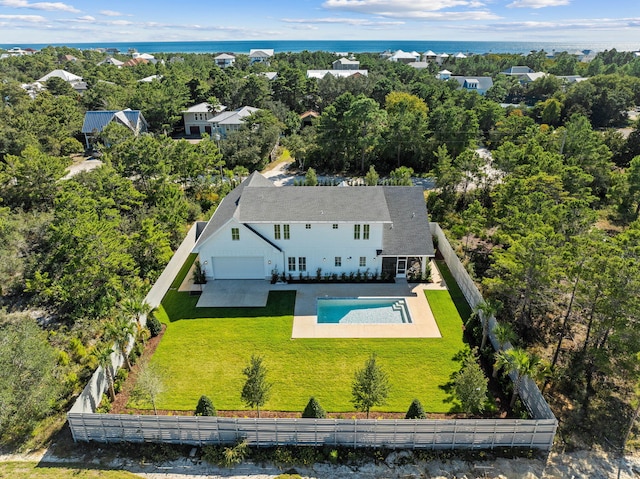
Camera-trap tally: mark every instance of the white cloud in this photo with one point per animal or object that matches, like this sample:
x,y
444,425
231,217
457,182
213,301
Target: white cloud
x,y
433,10
48,6
348,21
537,3
577,24
25,18
111,13
399,7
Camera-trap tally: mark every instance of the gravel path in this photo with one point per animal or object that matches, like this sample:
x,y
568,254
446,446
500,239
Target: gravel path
x,y
575,465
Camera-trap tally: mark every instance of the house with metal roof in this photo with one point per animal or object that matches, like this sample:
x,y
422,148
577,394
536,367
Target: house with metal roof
x,y
404,57
96,121
261,55
259,229
346,64
224,60
478,84
228,121
319,74
196,118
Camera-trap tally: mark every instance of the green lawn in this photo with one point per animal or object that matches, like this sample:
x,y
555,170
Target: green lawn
x,y
204,351
33,470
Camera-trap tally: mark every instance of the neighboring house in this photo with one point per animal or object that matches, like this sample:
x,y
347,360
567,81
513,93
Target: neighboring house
x,y
135,62
478,84
145,56
228,121
517,71
224,60
572,78
531,77
151,78
429,56
260,55
443,57
346,64
336,73
270,75
196,118
260,229
33,89
67,58
459,56
96,121
74,80
306,118
65,75
111,61
404,57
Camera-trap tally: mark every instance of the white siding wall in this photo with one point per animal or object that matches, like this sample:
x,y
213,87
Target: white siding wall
x,y
221,245
321,244
201,122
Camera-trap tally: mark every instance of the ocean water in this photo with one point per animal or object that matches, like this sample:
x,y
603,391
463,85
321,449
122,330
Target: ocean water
x,y
351,46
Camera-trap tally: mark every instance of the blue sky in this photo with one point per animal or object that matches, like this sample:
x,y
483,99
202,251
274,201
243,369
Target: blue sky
x,y
76,21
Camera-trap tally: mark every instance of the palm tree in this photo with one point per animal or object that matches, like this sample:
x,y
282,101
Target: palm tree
x,y
504,334
484,311
119,330
518,361
136,307
102,353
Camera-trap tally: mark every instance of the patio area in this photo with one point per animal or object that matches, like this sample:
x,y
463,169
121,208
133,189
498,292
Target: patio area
x,y
254,293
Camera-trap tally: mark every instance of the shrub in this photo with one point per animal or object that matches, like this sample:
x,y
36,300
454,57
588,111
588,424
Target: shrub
x,y
78,351
416,411
205,407
314,410
69,146
154,325
198,274
228,456
105,405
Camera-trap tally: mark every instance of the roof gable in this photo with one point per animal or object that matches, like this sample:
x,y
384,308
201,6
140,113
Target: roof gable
x,y
97,120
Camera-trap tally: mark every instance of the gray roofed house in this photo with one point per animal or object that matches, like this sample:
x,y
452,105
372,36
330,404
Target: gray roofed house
x,y
96,121
224,60
477,84
259,228
228,121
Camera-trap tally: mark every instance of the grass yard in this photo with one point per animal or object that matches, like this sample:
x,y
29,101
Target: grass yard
x,y
32,470
204,351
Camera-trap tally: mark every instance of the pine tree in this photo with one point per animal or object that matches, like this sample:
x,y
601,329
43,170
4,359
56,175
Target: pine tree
x,y
416,411
314,410
205,407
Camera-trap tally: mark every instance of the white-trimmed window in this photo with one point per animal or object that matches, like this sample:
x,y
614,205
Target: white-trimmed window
x,y
276,231
363,261
302,263
287,234
365,232
292,263
356,232
235,234
338,261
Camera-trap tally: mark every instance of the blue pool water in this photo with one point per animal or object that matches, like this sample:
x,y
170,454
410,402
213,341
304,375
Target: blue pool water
x,y
362,311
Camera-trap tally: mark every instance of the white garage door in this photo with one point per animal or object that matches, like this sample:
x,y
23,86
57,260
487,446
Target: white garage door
x,y
238,267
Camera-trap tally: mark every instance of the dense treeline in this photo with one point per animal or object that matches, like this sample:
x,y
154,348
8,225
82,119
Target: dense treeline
x,y
549,227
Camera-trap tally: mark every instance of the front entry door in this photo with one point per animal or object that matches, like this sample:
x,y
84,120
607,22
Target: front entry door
x,y
402,268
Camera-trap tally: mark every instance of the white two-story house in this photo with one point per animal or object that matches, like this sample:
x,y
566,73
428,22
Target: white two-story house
x,y
259,229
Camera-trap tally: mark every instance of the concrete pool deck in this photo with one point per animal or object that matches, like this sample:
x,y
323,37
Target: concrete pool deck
x,y
254,293
423,324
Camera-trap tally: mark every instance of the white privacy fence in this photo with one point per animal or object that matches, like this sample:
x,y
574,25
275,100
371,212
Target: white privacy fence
x,y
529,392
390,433
537,433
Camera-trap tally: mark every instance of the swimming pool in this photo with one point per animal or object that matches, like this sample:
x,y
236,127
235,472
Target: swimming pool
x,y
363,311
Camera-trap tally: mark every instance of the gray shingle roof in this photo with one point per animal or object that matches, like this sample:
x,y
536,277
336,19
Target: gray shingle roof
x,y
402,209
410,234
313,203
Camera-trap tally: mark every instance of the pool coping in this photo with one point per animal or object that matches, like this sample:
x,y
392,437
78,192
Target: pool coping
x,y
423,323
